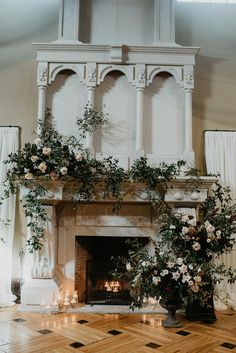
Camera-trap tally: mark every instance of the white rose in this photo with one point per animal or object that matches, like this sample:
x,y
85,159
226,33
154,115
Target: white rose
x,y
28,176
179,261
34,158
128,266
164,273
46,151
172,226
190,266
184,230
63,170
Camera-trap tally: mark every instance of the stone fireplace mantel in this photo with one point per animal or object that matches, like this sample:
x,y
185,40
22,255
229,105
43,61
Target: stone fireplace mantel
x,y
96,219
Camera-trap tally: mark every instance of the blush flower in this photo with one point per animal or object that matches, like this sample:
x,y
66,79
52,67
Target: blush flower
x,y
42,167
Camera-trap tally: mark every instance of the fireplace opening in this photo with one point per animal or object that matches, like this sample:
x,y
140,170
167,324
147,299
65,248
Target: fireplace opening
x,y
93,279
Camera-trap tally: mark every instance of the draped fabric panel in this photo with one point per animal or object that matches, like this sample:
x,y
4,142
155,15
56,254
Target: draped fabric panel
x,y
9,142
220,154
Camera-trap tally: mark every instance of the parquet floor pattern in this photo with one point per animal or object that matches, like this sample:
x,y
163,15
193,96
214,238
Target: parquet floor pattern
x,y
112,333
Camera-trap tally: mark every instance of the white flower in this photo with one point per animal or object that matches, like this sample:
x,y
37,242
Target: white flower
x,y
184,230
164,273
170,264
183,268
172,226
186,278
210,228
28,176
46,151
34,158
196,246
128,266
78,157
156,280
190,283
185,218
192,222
176,275
218,234
42,166
37,141
208,240
179,261
190,266
63,170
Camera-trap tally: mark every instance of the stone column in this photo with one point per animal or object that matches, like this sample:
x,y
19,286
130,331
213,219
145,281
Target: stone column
x,y
140,85
188,151
69,18
139,151
91,79
42,79
164,21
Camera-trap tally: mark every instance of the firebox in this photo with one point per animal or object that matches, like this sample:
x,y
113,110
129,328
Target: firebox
x,y
93,271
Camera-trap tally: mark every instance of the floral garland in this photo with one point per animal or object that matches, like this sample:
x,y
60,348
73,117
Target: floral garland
x,y
52,157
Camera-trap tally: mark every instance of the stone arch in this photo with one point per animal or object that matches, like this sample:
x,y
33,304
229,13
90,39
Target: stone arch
x,y
126,70
54,71
175,72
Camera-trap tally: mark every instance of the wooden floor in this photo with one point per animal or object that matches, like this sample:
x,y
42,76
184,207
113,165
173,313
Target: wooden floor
x,y
111,333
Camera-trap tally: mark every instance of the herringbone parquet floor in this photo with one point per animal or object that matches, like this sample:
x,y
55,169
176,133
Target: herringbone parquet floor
x,y
112,333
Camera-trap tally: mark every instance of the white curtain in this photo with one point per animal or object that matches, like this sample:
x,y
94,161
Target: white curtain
x,y
220,153
9,142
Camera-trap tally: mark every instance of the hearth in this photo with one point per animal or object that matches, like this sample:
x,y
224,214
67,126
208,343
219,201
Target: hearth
x,y
93,271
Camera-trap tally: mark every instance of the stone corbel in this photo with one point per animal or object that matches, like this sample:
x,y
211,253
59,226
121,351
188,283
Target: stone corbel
x,y
116,54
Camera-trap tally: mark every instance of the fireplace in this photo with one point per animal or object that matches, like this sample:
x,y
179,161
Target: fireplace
x,y
93,270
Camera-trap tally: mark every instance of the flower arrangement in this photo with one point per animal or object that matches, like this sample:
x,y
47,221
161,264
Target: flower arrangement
x,y
182,260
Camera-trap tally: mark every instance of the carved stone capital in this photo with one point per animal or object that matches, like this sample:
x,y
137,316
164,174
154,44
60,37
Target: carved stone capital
x,y
42,74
